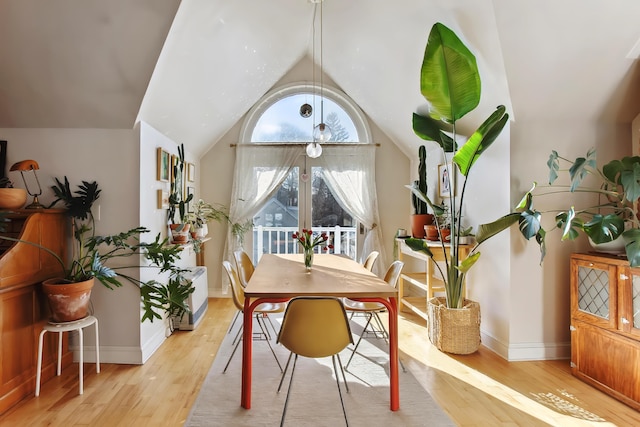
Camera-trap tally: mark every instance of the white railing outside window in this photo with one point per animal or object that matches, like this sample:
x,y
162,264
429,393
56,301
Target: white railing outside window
x,y
279,240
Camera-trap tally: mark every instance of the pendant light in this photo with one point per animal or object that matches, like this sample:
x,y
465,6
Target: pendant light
x,y
321,132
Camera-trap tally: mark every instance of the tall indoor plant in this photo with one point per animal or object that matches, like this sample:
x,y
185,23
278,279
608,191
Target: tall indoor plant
x,y
450,82
92,256
421,215
178,202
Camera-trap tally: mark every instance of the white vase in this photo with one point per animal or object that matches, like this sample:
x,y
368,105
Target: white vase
x,y
202,231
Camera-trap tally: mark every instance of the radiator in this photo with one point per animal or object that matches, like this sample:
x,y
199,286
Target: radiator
x,y
198,300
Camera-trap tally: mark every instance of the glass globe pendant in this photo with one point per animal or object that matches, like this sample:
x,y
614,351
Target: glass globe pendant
x,y
322,133
314,150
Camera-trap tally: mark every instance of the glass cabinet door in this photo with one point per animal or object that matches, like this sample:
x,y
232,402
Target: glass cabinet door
x,y
593,296
629,301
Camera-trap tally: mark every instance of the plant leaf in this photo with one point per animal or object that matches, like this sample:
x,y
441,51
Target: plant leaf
x,y
632,246
580,168
419,245
486,231
431,129
449,77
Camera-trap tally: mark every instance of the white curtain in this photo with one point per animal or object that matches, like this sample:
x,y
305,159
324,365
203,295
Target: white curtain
x,y
259,172
350,173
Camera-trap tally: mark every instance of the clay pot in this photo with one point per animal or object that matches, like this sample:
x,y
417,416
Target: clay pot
x,y
180,233
431,232
417,224
68,301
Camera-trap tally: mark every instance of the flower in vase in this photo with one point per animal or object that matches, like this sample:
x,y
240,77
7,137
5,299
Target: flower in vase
x,y
309,240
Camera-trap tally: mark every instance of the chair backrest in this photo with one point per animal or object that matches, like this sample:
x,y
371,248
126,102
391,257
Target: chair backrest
x,y
237,292
315,327
244,267
371,260
393,273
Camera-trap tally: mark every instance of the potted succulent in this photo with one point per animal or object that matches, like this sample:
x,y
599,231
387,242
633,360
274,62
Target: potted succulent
x,y
450,82
203,213
91,255
178,203
612,218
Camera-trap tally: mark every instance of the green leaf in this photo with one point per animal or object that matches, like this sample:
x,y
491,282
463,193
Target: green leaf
x,y
554,166
486,231
580,168
419,245
632,246
529,223
602,229
468,262
481,140
431,129
449,77
630,179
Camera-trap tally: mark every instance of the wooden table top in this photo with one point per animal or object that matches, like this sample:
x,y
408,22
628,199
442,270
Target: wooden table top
x,y
284,275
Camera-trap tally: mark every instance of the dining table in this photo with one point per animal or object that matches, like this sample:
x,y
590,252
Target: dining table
x,y
280,277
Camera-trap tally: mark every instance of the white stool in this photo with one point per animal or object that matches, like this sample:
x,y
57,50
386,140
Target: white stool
x,y
76,325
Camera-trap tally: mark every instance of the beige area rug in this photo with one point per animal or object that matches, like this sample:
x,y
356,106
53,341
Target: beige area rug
x,y
314,397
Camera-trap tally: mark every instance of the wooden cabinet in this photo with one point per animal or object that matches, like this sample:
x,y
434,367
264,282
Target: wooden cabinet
x,y
605,325
420,279
23,309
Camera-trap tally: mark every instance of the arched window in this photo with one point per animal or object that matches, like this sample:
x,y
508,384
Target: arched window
x,y
282,116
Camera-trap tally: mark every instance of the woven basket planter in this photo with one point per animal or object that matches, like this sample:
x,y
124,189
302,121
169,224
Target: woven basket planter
x,y
454,330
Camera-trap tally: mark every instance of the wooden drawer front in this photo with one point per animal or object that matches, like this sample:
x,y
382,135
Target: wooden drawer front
x,y
607,358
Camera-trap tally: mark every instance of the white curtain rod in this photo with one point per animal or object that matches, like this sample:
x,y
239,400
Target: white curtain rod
x,y
302,144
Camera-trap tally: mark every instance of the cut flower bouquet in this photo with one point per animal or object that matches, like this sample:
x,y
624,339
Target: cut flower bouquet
x,y
309,240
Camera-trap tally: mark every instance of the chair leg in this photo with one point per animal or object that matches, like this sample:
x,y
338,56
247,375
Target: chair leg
x,y
263,327
233,322
271,323
235,347
344,411
286,367
359,339
286,401
344,377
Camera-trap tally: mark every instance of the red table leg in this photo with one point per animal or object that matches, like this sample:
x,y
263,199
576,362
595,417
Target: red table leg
x,y
247,342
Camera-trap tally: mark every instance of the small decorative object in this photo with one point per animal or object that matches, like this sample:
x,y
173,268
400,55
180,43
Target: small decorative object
x,y
446,181
306,110
29,165
191,172
309,240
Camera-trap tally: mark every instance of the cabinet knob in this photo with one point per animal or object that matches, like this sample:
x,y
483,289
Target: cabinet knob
x,y
624,321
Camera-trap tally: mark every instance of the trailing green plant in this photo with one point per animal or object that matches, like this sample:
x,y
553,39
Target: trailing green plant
x,y
92,255
204,212
617,189
450,82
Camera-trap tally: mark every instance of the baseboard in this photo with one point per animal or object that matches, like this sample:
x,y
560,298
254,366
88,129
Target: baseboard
x,y
117,355
527,351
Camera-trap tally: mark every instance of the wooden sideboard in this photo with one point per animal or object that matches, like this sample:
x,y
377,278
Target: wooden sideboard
x,y
605,325
23,309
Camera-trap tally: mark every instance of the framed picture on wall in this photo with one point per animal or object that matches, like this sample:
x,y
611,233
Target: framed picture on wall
x,y
446,181
191,172
163,199
163,165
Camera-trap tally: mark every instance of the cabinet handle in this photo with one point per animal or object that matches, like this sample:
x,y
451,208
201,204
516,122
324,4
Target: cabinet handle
x,y
572,328
623,276
624,321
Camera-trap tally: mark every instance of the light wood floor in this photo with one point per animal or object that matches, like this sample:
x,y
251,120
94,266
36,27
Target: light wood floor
x,y
475,390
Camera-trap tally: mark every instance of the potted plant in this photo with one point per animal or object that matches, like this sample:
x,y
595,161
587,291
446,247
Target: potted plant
x,y
421,216
611,222
91,255
450,82
203,213
178,203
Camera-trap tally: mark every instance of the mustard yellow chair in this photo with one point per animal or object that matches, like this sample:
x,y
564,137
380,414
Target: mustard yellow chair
x,y
237,292
370,260
371,309
245,267
315,327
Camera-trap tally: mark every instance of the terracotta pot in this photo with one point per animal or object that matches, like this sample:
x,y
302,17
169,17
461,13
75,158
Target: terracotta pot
x,y
180,233
431,232
68,301
444,234
417,224
12,198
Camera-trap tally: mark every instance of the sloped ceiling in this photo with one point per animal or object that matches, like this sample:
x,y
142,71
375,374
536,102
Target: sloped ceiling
x,y
191,69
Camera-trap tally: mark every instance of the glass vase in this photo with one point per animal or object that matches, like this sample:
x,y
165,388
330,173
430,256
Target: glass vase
x,y
308,259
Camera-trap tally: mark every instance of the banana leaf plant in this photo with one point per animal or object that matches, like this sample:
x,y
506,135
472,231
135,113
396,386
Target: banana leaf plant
x,y
614,213
450,82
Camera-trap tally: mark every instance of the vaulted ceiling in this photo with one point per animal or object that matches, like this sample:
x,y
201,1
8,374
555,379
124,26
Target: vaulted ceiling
x,y
192,68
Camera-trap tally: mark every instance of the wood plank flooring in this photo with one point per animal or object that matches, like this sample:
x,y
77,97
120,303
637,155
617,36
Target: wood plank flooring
x,y
475,390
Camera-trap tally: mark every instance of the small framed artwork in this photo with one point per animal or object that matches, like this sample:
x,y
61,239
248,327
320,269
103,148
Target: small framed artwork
x,y
191,172
163,165
446,181
190,191
163,199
